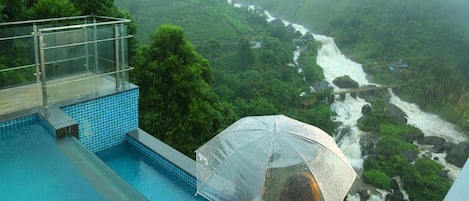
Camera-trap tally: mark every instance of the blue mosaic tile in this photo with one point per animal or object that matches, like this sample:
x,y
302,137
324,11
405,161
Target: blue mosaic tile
x,y
187,178
8,128
15,124
104,122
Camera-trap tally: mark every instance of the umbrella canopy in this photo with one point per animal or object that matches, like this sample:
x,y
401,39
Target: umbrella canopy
x,y
256,157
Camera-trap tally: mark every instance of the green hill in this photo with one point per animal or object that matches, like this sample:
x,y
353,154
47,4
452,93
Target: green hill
x,y
201,20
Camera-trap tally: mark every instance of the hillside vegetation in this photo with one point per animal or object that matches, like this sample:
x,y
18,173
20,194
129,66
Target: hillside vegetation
x,y
248,80
431,36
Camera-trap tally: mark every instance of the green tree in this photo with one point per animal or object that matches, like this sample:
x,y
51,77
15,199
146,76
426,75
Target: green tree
x,y
95,7
14,10
177,103
245,53
53,8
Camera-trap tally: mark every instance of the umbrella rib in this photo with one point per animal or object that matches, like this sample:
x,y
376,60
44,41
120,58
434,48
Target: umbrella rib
x,y
332,149
325,149
267,162
304,159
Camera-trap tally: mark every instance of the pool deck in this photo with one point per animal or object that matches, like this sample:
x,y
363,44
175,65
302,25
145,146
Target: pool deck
x,y
29,96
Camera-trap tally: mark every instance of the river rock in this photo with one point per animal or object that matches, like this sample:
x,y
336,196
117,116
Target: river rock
x,y
368,144
427,155
374,95
449,145
396,113
458,154
366,109
437,142
393,197
345,82
343,132
394,185
322,86
364,196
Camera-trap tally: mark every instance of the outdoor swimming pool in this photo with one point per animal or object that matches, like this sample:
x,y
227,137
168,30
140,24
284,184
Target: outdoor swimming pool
x,y
34,165
33,168
150,178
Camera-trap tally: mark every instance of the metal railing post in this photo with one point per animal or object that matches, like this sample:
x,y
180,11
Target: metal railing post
x,y
87,60
36,54
95,46
116,52
45,103
124,59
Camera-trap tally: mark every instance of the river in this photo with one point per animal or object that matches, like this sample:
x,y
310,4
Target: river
x,y
335,64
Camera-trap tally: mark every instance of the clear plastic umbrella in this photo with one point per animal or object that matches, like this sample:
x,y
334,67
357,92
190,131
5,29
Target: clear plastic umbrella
x,y
255,158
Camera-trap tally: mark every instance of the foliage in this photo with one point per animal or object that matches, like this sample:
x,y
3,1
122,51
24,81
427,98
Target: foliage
x,y
377,178
96,7
53,8
177,103
312,71
423,181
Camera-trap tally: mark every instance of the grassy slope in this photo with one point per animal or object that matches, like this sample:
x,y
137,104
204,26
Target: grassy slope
x,y
201,19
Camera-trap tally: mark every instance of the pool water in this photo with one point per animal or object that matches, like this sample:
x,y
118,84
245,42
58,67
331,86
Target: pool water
x,y
151,179
32,167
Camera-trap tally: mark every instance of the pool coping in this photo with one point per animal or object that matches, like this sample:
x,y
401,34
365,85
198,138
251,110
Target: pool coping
x,y
167,152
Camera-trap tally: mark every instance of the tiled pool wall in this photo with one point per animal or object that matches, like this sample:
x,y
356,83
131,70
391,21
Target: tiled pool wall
x,y
187,178
104,122
6,127
15,124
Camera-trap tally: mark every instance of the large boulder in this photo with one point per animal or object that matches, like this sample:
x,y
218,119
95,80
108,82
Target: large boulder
x,y
368,144
366,109
345,82
374,95
394,185
458,154
322,86
394,197
364,195
437,142
396,113
449,145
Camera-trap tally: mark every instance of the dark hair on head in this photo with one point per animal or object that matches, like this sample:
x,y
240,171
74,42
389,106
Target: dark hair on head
x,y
300,187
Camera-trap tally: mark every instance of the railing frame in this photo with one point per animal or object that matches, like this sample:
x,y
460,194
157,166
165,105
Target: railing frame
x,y
40,47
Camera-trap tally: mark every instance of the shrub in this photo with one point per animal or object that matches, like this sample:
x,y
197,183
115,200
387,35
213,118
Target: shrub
x,y
377,178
